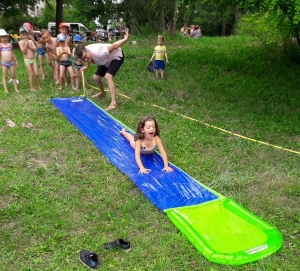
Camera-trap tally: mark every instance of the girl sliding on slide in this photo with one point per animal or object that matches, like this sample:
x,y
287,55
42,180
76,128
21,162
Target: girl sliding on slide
x,y
145,141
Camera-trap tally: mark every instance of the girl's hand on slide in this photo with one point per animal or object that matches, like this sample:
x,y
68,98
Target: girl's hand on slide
x,y
144,170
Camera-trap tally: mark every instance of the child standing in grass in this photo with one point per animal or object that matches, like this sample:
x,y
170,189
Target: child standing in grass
x,y
28,49
78,63
63,53
160,53
8,60
51,44
145,141
41,52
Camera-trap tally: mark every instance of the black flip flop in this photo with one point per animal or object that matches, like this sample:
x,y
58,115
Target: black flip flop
x,y
116,244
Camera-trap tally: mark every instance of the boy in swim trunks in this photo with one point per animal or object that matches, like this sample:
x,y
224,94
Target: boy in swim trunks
x,y
51,44
63,53
28,49
8,59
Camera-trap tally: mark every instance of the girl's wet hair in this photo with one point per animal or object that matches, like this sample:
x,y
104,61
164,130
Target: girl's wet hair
x,y
141,125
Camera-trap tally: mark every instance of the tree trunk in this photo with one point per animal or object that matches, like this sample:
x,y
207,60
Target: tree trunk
x,y
176,5
162,21
59,14
223,28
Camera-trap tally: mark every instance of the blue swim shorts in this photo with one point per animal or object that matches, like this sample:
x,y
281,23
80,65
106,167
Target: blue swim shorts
x,y
159,65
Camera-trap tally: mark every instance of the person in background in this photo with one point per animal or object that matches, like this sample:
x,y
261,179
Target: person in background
x,y
94,34
192,29
8,60
145,141
184,31
118,29
160,53
169,26
197,32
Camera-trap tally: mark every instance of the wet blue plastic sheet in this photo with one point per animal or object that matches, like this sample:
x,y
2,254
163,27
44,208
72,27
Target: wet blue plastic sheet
x,y
164,190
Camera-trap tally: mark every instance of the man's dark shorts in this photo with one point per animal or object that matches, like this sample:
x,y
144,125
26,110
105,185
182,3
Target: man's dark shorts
x,y
112,69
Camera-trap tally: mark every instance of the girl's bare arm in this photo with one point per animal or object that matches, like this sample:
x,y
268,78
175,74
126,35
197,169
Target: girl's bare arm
x,y
137,154
163,154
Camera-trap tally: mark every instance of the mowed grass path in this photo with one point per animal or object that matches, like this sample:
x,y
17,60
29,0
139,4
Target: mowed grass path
x,y
59,195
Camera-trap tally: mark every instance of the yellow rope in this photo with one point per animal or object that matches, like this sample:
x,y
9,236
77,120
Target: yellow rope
x,y
83,85
208,125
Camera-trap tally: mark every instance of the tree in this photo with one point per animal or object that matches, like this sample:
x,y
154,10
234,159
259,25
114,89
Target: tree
x,y
9,8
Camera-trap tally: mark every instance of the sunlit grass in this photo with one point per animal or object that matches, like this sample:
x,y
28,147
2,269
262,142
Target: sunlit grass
x,y
58,194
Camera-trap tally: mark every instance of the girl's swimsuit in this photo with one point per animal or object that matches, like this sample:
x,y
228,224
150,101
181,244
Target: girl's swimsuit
x,y
8,48
146,150
8,64
77,66
3,49
40,51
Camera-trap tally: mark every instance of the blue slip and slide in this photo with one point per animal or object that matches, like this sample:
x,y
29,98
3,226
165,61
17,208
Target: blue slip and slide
x,y
222,230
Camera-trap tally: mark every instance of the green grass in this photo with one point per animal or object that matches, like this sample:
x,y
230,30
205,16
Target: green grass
x,y
59,195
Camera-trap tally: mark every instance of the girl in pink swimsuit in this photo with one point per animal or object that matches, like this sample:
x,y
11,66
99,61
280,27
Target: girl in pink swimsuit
x,y
8,59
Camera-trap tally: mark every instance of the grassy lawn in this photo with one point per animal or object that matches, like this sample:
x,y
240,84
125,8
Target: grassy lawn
x,y
59,195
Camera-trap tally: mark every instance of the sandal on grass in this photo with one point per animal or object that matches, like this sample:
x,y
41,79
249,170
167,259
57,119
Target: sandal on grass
x,y
111,107
116,244
99,95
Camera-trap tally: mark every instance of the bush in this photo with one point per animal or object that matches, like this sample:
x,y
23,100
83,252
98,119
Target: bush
x,y
276,39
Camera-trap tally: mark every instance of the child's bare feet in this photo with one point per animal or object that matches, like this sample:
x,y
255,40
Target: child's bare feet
x,y
59,88
5,90
16,90
32,90
74,88
57,83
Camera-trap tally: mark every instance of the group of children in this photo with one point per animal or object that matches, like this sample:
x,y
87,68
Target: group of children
x,y
192,32
58,52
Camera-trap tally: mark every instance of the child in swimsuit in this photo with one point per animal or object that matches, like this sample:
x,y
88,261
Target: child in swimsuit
x,y
51,44
28,49
63,52
8,59
78,63
41,51
145,141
